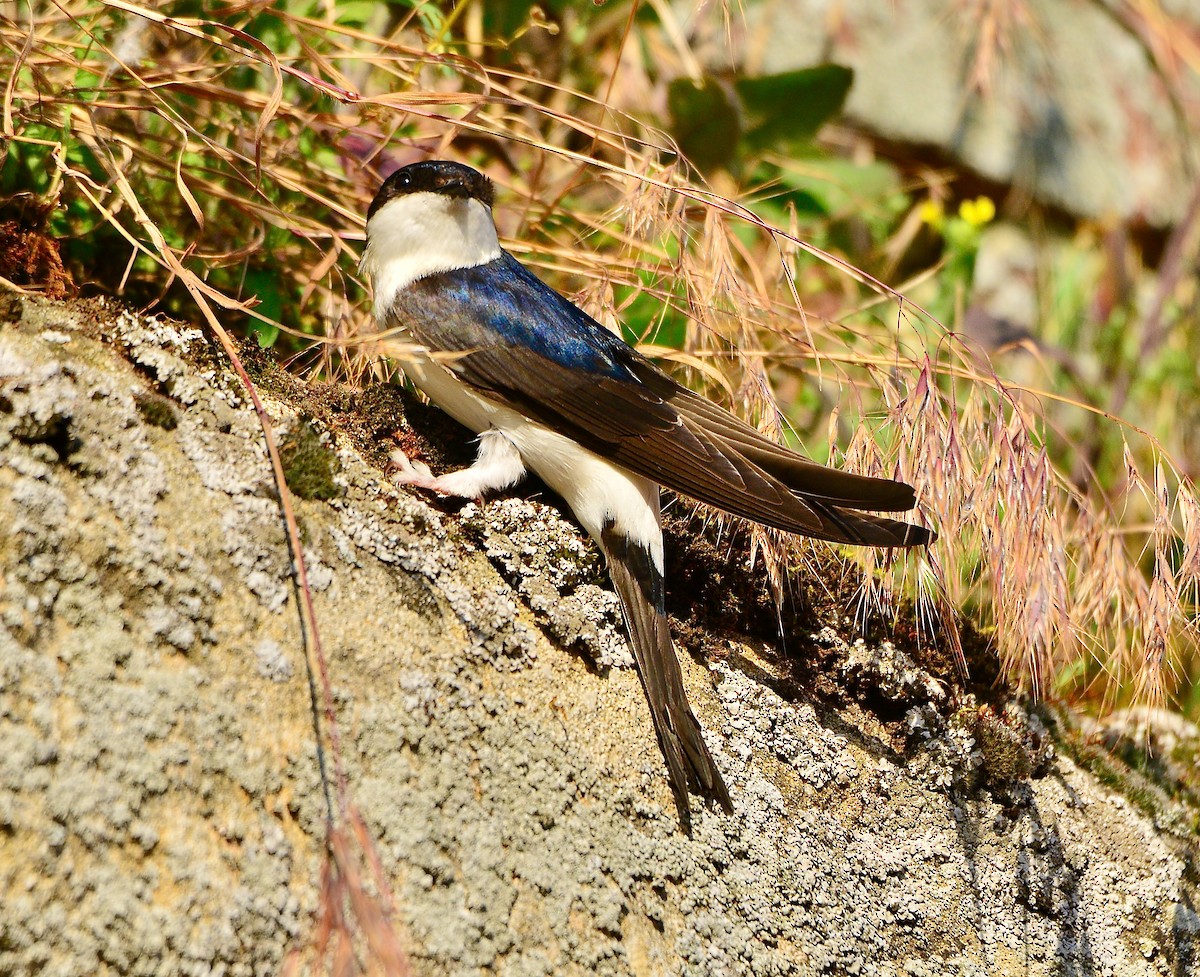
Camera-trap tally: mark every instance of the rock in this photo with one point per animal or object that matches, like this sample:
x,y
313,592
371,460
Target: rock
x,y
1077,113
163,811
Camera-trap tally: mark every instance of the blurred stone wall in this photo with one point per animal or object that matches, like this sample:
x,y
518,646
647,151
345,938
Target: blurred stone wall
x,y
1076,103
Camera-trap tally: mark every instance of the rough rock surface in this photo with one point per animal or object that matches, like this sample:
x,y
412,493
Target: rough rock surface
x,y
162,813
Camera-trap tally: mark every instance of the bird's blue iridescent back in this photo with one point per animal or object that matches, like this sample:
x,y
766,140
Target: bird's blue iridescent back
x,y
504,299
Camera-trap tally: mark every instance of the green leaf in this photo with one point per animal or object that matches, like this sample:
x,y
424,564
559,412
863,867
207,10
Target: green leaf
x,y
355,12
265,285
791,106
841,187
704,121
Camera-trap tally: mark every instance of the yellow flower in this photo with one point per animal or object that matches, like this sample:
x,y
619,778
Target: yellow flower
x,y
977,212
932,212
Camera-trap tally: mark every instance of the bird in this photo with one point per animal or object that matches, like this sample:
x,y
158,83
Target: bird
x,y
547,388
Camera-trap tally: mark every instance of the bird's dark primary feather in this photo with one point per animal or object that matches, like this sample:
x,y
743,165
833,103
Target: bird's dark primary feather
x,y
525,345
640,587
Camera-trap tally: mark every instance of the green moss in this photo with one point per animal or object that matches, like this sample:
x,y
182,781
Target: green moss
x,y
157,410
309,465
1006,756
1147,785
1109,771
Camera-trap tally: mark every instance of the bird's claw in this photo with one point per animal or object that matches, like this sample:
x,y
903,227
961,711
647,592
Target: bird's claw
x,y
409,472
405,466
417,475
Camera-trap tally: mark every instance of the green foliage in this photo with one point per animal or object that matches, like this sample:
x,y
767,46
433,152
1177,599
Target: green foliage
x,y
264,285
27,167
705,122
789,108
717,123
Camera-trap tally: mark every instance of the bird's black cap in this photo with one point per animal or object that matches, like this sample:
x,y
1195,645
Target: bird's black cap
x,y
434,176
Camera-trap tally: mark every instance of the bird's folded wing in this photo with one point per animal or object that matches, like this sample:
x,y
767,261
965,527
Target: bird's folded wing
x,y
523,344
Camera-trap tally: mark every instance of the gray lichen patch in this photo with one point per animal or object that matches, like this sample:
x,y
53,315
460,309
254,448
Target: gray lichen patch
x,y
162,810
556,573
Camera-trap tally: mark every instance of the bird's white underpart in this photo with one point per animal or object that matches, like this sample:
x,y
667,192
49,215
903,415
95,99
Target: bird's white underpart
x,y
420,234
597,491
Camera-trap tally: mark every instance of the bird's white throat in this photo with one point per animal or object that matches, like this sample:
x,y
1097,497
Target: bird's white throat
x,y
420,234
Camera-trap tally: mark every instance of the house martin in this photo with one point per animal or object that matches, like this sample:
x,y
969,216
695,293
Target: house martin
x,y
548,388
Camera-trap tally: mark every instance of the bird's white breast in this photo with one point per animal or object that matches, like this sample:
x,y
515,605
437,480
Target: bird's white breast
x,y
420,234
598,492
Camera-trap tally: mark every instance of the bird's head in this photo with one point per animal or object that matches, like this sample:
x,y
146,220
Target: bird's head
x,y
427,217
433,176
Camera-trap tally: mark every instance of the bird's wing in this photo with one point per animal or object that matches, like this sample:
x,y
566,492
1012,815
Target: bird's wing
x,y
523,344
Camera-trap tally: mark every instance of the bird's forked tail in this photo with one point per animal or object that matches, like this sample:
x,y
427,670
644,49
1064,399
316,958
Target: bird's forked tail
x,y
640,587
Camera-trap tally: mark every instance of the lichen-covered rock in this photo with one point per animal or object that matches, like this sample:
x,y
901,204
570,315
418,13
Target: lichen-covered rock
x,y
162,810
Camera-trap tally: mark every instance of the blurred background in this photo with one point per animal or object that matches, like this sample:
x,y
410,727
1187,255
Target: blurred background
x,y
953,242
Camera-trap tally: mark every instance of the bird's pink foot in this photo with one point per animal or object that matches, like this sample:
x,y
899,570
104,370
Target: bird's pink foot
x,y
418,475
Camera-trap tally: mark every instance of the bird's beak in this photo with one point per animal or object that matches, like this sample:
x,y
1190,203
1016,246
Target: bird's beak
x,y
455,188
